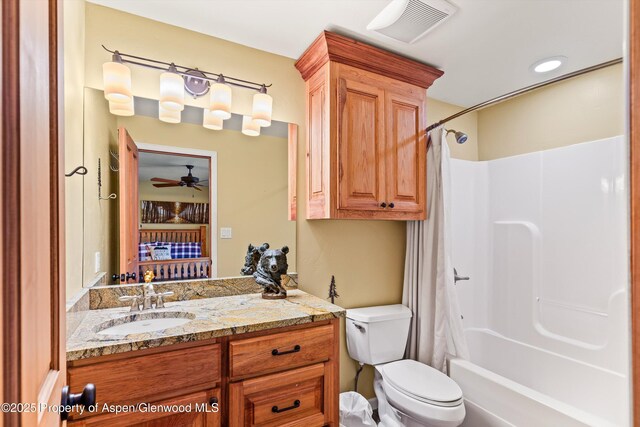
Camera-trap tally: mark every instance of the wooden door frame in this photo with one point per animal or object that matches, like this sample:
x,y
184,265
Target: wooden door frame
x,y
10,190
634,180
213,189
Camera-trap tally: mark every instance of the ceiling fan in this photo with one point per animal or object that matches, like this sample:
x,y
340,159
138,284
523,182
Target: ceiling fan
x,y
189,181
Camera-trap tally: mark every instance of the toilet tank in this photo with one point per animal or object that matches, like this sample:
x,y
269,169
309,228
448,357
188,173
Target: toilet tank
x,y
378,334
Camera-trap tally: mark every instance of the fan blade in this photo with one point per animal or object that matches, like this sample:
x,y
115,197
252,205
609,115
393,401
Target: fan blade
x,y
177,184
196,188
165,180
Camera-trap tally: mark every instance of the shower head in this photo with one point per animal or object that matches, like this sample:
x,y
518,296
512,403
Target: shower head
x,y
461,137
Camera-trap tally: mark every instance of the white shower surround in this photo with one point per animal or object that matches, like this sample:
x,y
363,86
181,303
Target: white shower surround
x,y
544,237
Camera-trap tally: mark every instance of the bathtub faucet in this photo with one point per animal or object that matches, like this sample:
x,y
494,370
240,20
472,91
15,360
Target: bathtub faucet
x,y
457,278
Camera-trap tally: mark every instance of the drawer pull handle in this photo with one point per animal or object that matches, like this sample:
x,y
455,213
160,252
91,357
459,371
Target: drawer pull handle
x,y
277,410
276,352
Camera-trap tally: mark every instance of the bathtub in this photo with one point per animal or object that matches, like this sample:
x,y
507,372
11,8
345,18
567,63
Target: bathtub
x,y
509,383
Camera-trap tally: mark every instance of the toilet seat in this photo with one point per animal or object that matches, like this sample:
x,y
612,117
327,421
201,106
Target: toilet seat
x,y
422,383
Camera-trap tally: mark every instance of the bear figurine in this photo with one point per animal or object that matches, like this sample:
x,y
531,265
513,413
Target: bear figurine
x,y
251,259
271,266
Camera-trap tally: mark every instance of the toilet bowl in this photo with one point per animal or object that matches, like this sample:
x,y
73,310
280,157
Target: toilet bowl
x,y
417,395
409,393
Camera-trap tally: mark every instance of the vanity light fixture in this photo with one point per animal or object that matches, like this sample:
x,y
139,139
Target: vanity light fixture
x,y
116,79
169,116
220,99
211,121
172,90
174,80
548,64
121,108
262,107
249,126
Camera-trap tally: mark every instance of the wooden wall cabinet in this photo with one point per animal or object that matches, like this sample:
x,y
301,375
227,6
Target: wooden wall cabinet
x,y
366,142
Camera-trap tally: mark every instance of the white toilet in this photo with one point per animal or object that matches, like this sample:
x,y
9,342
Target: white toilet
x,y
409,393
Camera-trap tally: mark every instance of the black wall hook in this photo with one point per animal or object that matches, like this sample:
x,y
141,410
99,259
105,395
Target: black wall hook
x,y
80,170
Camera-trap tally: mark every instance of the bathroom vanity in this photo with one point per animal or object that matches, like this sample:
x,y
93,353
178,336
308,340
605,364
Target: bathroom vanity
x,y
239,361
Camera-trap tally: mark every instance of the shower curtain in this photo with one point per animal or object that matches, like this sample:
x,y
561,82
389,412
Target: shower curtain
x,y
436,326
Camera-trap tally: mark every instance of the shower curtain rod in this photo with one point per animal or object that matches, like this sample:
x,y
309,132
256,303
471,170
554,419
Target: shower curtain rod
x,y
524,90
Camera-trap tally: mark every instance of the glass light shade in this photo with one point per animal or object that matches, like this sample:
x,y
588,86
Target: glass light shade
x,y
262,105
250,127
220,100
171,91
121,108
211,122
117,82
169,116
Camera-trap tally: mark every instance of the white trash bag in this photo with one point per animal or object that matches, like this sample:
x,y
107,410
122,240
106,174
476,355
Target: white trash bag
x,y
355,410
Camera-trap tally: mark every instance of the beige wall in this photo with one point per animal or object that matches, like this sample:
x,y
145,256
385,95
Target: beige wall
x,y
366,257
73,38
438,110
100,216
252,184
585,108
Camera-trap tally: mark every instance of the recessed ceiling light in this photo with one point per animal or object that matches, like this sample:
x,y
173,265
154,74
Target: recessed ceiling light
x,y
548,64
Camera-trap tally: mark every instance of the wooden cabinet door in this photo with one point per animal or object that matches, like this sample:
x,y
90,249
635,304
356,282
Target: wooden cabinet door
x,y
360,144
406,150
128,202
292,398
194,410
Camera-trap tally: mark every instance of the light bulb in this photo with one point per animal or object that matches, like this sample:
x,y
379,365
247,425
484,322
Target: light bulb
x,y
121,108
220,99
262,105
117,81
210,121
168,116
249,127
171,90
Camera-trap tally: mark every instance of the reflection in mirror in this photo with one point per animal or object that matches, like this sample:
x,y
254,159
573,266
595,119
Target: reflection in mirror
x,y
186,201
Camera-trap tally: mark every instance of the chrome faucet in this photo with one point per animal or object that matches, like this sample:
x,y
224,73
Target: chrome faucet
x,y
149,298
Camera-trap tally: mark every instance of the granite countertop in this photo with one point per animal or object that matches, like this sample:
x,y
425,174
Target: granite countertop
x,y
211,317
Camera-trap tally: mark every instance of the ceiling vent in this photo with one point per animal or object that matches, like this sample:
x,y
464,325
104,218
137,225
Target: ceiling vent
x,y
409,20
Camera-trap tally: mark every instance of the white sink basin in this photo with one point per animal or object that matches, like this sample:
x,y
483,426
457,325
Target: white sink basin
x,y
144,322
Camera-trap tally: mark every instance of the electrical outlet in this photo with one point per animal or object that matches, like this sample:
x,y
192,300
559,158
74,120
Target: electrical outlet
x,y
225,232
97,262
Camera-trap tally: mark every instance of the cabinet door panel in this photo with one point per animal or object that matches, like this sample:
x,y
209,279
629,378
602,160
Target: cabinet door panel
x,y
360,144
202,415
406,152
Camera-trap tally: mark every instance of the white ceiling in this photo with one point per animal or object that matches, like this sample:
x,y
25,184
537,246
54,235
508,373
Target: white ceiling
x,y
485,49
152,165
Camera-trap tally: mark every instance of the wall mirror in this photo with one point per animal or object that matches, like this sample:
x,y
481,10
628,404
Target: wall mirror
x,y
177,198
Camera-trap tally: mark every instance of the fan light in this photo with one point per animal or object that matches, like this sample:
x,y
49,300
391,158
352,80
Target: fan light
x,y
262,106
117,80
121,108
171,90
220,99
249,127
210,121
169,116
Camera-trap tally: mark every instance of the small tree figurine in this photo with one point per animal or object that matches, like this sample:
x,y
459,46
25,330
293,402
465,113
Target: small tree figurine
x,y
333,294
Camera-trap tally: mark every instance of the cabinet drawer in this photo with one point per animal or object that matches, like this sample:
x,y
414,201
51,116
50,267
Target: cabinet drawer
x,y
286,350
291,398
151,377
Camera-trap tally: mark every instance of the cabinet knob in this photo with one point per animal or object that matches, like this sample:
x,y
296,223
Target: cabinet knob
x,y
391,205
383,205
86,398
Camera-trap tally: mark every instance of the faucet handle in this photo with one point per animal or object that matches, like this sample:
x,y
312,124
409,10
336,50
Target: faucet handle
x,y
135,301
160,298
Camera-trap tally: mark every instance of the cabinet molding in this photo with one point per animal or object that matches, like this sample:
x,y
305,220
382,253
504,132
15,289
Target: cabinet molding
x,y
336,48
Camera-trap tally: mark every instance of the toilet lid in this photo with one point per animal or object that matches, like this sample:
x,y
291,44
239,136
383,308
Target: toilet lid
x,y
422,382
